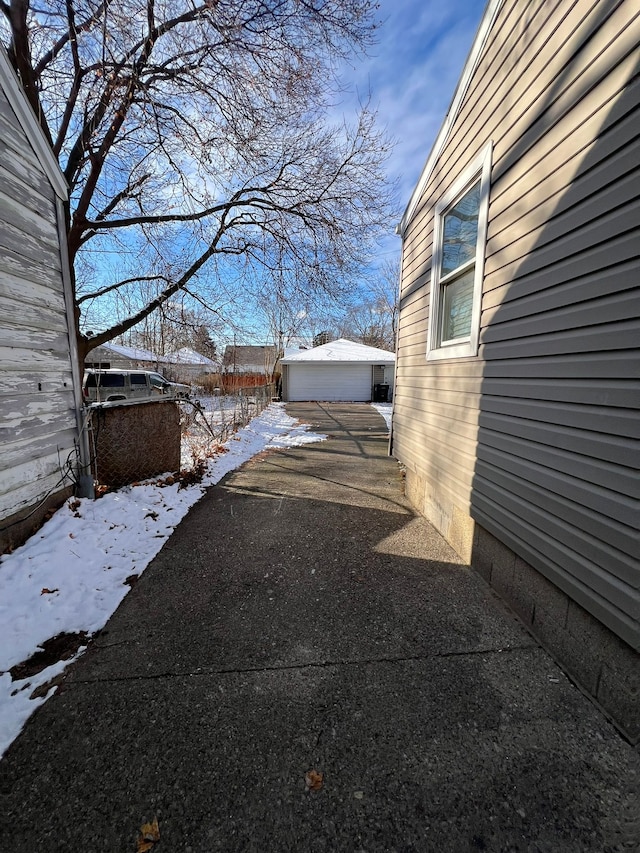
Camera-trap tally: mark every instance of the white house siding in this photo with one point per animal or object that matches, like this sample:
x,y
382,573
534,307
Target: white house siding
x,y
330,382
37,409
537,438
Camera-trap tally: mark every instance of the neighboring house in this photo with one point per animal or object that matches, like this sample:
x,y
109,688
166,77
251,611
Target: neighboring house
x,y
120,357
40,387
517,392
340,370
256,362
187,365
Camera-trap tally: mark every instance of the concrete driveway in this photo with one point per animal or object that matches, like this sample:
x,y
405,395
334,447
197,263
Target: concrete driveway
x,y
307,666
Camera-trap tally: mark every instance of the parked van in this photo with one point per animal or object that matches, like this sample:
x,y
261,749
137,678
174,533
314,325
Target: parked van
x,y
103,386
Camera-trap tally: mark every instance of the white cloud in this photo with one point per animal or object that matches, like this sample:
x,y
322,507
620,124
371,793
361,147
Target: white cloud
x,y
412,75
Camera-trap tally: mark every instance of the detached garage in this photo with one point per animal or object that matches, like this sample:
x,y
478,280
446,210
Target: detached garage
x,y
339,371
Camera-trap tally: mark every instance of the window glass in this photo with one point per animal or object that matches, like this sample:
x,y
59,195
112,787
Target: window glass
x,y
111,380
138,379
460,233
157,381
457,307
461,219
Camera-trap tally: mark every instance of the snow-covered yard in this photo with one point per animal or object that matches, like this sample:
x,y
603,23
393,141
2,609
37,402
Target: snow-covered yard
x,y
74,572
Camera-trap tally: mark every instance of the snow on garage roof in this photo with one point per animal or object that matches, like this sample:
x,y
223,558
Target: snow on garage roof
x,y
134,353
186,355
342,350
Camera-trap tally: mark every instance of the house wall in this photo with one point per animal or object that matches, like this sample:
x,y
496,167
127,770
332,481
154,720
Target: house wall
x,y
104,355
38,428
175,371
188,373
533,444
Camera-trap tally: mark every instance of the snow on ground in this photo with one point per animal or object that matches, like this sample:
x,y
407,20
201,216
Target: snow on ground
x,y
70,575
385,411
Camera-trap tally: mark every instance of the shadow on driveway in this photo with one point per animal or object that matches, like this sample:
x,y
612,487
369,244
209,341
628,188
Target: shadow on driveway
x,y
303,617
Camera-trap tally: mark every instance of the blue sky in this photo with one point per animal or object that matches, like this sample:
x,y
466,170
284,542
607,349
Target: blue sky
x,y
412,75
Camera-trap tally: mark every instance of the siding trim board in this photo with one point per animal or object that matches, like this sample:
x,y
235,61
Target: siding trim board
x,y
537,448
31,128
84,486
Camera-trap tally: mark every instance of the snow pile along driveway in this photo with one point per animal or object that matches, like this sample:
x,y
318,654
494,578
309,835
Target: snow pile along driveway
x,y
74,572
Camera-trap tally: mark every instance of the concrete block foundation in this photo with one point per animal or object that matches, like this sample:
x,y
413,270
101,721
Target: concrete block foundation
x,y
602,664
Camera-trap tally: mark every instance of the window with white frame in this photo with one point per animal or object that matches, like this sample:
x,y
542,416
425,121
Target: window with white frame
x,y
457,268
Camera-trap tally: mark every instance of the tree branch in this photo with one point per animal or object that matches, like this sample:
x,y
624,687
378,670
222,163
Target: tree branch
x,y
111,287
70,35
20,56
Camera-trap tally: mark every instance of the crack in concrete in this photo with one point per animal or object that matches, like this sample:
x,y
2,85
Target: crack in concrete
x,y
205,671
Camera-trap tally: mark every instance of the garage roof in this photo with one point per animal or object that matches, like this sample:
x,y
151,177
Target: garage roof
x,y
344,351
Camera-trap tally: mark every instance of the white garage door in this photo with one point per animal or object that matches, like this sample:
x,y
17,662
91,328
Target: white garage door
x,y
348,382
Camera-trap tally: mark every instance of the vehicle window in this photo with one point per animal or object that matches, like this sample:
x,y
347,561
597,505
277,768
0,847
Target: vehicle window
x,y
138,379
157,381
91,381
111,380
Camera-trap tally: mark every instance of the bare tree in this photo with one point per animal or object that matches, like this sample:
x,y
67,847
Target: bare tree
x,y
172,327
373,319
195,136
385,290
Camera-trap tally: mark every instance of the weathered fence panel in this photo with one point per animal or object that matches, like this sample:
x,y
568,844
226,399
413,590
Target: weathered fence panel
x,y
134,441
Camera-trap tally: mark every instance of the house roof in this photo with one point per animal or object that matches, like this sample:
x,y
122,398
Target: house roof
x,y
294,350
186,355
342,350
134,353
25,115
490,14
253,356
182,356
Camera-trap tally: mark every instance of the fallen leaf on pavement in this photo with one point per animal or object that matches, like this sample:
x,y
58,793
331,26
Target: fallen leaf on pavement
x,y
149,834
46,591
313,780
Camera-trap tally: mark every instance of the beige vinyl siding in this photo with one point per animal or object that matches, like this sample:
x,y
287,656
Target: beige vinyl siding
x,y
37,409
540,438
